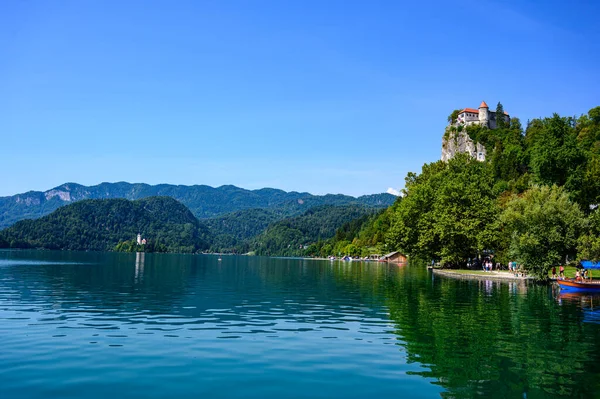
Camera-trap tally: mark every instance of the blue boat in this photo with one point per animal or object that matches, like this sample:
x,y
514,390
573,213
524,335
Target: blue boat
x,y
572,284
582,285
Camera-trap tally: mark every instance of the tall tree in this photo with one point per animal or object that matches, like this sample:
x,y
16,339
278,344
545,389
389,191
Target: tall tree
x,y
555,157
543,225
500,122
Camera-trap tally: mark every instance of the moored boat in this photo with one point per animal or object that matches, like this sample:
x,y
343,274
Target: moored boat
x,y
572,284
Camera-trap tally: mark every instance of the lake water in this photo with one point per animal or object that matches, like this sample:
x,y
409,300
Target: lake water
x,y
95,325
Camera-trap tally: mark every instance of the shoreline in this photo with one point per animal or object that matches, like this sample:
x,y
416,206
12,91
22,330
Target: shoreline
x,y
479,275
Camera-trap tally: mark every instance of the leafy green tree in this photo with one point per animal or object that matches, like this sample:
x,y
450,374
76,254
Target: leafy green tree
x,y
543,226
588,244
588,247
555,157
594,115
515,125
351,250
453,116
326,250
587,130
448,212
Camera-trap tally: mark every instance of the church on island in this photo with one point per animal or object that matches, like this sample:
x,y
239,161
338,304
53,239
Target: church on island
x,y
456,140
140,240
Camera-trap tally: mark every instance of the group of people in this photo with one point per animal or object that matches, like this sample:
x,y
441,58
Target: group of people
x,y
487,265
561,271
514,268
580,275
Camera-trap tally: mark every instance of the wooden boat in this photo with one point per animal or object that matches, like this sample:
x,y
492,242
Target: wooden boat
x,y
572,284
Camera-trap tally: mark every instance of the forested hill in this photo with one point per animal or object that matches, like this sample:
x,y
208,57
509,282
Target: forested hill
x,y
100,225
233,232
203,201
292,236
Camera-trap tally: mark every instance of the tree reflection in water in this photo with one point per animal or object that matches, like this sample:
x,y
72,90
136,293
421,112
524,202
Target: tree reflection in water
x,y
490,338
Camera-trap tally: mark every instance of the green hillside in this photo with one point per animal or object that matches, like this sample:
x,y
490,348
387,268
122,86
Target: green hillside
x,y
100,225
232,232
293,236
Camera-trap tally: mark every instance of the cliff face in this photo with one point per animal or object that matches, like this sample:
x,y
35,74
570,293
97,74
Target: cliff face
x,y
455,142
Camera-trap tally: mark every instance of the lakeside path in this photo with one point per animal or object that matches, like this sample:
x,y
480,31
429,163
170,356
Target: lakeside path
x,y
479,275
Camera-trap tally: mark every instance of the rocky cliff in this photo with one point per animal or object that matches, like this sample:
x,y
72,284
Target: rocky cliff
x,y
456,141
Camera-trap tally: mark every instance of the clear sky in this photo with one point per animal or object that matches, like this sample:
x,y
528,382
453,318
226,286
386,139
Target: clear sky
x,y
321,96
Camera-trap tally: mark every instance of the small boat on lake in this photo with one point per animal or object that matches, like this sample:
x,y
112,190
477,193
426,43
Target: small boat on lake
x,y
572,284
579,284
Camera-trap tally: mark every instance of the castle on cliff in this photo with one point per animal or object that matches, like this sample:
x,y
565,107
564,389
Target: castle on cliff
x,y
456,139
482,116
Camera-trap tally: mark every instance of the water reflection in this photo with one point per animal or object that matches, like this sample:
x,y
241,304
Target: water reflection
x,y
269,326
140,258
374,324
588,303
496,339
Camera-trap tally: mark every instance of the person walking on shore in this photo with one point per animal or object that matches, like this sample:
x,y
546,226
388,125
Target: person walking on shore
x,y
554,272
562,271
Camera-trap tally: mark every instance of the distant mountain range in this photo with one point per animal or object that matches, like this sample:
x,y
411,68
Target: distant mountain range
x,y
204,202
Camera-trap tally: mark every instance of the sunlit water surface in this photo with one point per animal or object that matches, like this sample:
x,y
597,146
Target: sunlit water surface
x,y
95,325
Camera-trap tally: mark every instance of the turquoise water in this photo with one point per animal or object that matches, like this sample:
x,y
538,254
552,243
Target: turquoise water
x,y
91,325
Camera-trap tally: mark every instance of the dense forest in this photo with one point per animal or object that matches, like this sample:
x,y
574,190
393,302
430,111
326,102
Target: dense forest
x,y
232,232
534,199
294,236
105,225
359,237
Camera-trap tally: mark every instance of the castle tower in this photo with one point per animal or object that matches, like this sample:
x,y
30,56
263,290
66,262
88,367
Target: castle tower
x,y
484,114
139,239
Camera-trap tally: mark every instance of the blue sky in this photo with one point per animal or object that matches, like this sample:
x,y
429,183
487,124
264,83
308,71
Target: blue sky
x,y
320,96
